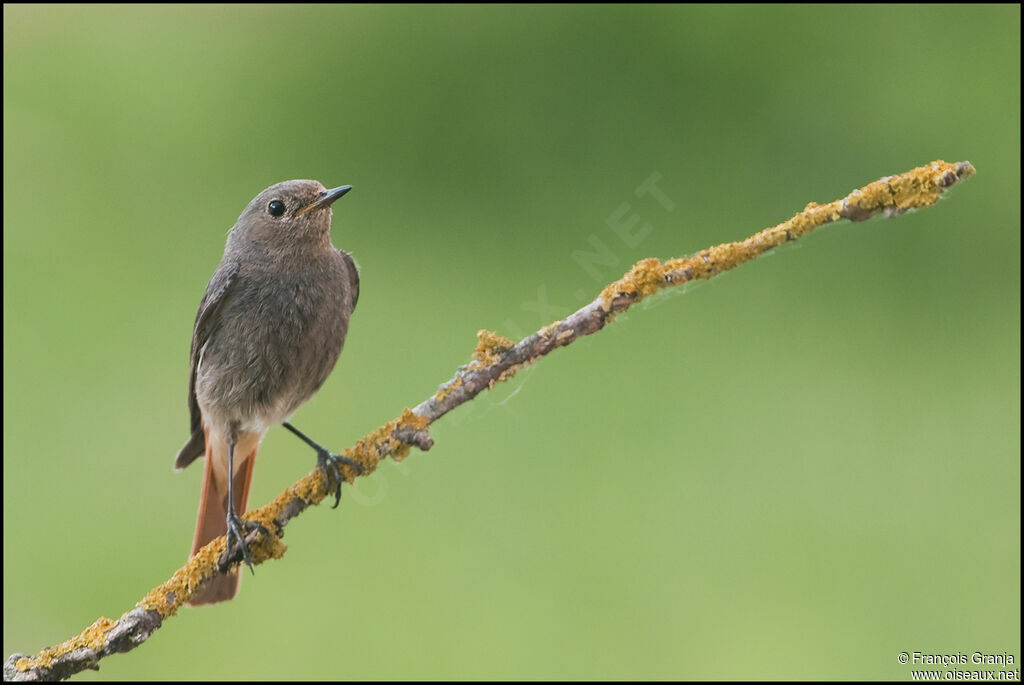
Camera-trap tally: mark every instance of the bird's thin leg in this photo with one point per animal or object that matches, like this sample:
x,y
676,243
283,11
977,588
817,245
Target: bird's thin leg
x,y
237,526
328,462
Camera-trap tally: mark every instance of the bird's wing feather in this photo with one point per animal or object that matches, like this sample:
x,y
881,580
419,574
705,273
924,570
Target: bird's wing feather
x,y
353,276
217,292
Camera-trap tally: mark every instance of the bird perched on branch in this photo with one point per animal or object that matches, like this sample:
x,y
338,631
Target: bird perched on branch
x,y
270,328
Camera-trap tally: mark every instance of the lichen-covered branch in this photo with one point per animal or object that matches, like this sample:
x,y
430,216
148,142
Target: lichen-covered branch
x,y
495,359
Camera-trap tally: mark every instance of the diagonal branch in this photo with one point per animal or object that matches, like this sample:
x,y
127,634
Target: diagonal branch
x,y
495,359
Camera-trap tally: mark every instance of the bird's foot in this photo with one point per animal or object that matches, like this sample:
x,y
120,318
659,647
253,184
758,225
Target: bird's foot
x,y
332,471
238,528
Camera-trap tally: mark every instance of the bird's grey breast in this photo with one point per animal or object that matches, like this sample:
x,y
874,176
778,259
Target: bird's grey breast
x,y
279,334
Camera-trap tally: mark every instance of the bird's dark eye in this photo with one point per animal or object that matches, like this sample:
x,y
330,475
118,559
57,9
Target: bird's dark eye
x,y
276,208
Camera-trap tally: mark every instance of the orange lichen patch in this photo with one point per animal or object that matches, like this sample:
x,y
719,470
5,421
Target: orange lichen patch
x,y
445,390
269,546
549,329
645,278
490,346
94,637
714,260
368,450
366,453
401,452
307,489
167,598
410,419
509,372
916,188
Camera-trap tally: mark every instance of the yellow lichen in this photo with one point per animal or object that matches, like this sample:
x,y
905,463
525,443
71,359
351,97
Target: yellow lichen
x,y
549,329
368,450
645,278
490,346
94,637
916,188
509,372
168,597
410,419
311,489
445,390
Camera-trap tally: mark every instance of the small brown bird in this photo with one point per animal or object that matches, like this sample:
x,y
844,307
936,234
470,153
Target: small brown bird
x,y
270,328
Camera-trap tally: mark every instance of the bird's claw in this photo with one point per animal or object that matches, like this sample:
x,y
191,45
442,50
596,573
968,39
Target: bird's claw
x,y
237,530
332,472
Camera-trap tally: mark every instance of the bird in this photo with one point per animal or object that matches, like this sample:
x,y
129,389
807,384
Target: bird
x,y
269,330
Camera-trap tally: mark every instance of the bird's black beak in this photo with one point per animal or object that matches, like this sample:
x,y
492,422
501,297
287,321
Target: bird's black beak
x,y
325,199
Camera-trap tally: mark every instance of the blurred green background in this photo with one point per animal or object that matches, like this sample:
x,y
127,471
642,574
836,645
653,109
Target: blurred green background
x,y
797,470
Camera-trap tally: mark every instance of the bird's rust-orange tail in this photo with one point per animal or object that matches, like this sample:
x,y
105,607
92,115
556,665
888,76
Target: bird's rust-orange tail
x,y
213,510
